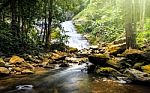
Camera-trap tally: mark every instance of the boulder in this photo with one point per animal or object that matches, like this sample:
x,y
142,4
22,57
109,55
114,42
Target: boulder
x,y
138,65
33,59
108,71
115,49
99,59
72,50
146,55
91,68
17,69
58,56
64,65
2,63
133,54
16,60
94,47
6,59
84,53
47,64
138,76
4,70
76,60
26,65
27,71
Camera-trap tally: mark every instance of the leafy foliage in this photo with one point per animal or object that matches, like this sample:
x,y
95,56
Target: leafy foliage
x,y
101,20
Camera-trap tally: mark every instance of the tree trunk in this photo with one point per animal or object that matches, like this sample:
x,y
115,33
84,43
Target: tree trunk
x,y
14,17
48,35
130,24
45,24
1,16
42,29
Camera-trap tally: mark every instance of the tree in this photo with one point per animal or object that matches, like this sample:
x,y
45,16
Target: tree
x,y
130,23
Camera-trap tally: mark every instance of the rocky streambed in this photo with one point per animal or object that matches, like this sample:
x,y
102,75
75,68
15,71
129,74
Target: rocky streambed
x,y
93,70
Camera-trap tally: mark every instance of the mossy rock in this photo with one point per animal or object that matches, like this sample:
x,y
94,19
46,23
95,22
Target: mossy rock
x,y
4,70
146,68
105,69
72,50
99,59
16,59
138,65
108,71
2,63
115,49
115,63
134,54
102,56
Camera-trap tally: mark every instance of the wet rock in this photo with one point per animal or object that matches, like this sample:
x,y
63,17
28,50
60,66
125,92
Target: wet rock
x,y
133,54
33,59
99,59
64,65
138,76
18,69
58,57
123,80
126,63
108,71
84,53
72,50
76,60
138,65
91,68
16,60
115,49
146,55
4,70
26,65
2,63
94,47
18,73
7,65
115,62
6,59
27,71
24,87
47,64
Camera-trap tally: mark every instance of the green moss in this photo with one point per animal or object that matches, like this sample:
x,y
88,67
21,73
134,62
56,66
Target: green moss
x,y
105,70
138,65
71,49
143,38
101,56
146,68
1,60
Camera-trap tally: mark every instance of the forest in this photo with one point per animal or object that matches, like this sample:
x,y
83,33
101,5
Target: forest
x,y
74,46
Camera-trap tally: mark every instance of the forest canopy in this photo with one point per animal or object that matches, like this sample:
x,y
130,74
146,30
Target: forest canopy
x,y
108,20
98,20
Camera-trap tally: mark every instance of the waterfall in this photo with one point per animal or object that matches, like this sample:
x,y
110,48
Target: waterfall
x,y
75,40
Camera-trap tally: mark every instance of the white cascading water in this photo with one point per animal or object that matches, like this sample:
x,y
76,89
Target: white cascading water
x,y
75,40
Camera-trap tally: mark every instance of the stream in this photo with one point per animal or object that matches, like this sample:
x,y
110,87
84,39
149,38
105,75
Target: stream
x,y
68,80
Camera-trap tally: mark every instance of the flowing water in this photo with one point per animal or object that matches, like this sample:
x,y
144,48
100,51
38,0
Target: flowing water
x,y
67,80
75,40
